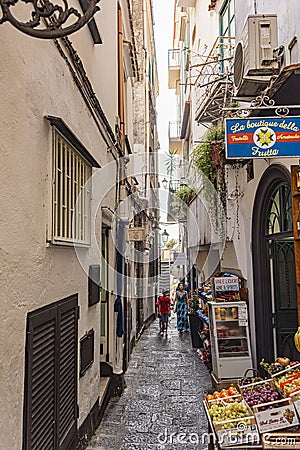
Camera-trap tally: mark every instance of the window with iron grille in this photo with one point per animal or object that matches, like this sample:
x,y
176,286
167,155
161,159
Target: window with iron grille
x,y
71,193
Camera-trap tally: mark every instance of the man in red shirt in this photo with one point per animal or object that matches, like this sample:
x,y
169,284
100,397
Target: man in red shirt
x,y
164,304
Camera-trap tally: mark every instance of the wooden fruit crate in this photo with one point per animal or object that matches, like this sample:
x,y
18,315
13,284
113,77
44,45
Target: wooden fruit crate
x,y
238,431
256,377
282,415
290,371
235,432
225,400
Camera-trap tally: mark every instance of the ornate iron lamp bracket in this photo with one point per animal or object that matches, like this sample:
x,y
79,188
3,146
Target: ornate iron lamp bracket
x,y
262,102
47,19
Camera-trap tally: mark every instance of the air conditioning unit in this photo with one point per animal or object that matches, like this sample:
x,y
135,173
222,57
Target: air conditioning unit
x,y
254,60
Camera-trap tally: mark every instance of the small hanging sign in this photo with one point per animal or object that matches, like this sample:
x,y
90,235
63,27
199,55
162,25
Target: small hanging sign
x,y
136,234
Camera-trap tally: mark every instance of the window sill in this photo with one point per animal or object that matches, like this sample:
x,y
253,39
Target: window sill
x,y
55,243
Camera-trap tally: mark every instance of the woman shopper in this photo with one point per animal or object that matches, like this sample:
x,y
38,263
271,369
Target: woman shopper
x,y
181,308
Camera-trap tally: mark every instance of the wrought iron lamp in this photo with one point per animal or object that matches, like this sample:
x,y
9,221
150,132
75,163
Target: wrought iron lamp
x,y
165,183
165,237
47,20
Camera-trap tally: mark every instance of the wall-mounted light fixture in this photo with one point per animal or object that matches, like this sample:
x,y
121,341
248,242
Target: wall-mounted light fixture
x,y
165,237
164,183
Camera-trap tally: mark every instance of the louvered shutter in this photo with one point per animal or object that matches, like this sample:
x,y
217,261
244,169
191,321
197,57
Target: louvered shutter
x,y
50,409
67,392
41,379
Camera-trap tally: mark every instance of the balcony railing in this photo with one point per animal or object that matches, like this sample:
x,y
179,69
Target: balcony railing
x,y
213,79
219,61
174,130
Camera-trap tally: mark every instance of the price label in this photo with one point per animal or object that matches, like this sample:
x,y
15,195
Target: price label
x,y
243,316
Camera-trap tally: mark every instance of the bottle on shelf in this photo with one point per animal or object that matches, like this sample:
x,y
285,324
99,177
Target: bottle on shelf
x,y
298,178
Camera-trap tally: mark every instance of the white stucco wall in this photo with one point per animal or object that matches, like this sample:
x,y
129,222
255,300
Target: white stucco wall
x,y
34,82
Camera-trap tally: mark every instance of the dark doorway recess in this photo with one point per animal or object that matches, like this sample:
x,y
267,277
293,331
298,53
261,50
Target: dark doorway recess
x,y
274,266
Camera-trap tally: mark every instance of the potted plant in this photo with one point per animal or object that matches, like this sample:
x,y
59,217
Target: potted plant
x,y
196,324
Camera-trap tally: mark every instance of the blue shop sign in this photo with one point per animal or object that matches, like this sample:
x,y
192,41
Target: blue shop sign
x,y
267,137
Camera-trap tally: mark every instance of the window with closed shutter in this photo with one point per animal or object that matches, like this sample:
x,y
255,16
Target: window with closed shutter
x,y
50,400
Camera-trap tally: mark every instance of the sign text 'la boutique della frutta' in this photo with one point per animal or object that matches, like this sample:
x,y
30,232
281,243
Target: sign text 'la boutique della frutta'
x,y
267,137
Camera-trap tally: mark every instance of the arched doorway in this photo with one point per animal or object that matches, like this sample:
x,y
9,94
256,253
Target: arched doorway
x,y
274,266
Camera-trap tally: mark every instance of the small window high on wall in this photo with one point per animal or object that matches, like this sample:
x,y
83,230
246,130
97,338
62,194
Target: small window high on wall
x,y
227,19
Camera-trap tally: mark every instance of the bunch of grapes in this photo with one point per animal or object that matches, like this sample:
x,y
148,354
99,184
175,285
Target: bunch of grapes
x,y
219,413
261,393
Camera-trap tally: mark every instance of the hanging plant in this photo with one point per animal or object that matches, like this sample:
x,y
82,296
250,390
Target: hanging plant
x,y
208,158
170,243
202,156
186,194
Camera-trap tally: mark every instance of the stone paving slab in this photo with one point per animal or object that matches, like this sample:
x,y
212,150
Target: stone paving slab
x,y
161,408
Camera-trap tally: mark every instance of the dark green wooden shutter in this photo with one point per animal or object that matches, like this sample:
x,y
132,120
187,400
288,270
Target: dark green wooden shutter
x,y
41,381
67,392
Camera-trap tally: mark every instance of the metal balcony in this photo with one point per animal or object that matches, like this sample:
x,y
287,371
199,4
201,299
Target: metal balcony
x,y
213,81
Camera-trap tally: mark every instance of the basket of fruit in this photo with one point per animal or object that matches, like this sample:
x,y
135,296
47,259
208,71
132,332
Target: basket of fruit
x,y
225,395
232,419
288,382
281,364
272,412
246,379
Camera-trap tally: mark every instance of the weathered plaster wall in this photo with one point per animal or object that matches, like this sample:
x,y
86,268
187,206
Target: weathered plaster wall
x,y
34,82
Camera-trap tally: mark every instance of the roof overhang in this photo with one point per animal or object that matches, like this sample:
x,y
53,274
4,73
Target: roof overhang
x,y
211,106
285,89
68,134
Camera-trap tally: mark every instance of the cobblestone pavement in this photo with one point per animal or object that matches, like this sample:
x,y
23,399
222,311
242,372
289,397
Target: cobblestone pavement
x,y
166,382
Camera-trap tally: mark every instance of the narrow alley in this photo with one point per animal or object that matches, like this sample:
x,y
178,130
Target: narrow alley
x,y
166,382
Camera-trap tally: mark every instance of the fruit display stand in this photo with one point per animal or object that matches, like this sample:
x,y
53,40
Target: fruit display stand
x,y
232,424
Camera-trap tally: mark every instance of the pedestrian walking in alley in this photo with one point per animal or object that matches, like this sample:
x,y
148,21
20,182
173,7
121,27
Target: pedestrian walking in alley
x,y
164,304
181,308
158,315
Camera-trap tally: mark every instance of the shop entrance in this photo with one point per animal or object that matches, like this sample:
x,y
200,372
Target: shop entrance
x,y
284,305
274,266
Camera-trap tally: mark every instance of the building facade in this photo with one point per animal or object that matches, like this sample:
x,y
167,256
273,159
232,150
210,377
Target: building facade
x,y
210,77
68,119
